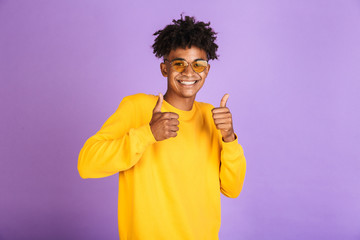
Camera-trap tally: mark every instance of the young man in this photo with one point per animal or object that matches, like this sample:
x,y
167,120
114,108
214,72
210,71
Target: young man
x,y
174,155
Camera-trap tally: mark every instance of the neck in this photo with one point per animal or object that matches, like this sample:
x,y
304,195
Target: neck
x,y
181,103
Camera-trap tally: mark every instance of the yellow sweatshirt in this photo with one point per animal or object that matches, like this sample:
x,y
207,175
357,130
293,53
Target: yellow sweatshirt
x,y
168,190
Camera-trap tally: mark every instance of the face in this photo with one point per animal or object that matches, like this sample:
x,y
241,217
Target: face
x,y
186,84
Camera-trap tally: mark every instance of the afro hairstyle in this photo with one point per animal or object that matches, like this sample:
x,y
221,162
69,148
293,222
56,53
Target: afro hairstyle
x,y
185,33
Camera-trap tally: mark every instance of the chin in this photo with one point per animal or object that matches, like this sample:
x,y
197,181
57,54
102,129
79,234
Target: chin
x,y
189,95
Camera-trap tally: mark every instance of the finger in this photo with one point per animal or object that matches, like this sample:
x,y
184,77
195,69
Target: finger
x,y
224,100
222,115
172,134
173,122
158,105
173,128
170,122
224,126
222,120
220,110
170,115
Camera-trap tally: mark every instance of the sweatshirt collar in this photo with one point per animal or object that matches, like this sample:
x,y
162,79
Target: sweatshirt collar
x,y
183,115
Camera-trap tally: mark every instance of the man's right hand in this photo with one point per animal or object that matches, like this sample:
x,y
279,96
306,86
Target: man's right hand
x,y
163,125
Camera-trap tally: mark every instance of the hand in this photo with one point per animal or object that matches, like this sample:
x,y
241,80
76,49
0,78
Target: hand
x,y
163,125
223,120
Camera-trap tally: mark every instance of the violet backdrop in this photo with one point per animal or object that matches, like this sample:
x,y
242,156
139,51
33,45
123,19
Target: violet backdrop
x,y
292,69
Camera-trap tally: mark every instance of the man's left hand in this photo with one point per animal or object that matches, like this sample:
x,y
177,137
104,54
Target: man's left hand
x,y
223,120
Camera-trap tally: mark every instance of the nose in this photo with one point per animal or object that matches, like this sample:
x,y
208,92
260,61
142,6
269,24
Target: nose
x,y
189,71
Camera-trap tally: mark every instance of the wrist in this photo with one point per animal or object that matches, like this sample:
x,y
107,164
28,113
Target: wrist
x,y
230,138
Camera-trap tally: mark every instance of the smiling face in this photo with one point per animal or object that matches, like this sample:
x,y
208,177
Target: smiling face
x,y
183,87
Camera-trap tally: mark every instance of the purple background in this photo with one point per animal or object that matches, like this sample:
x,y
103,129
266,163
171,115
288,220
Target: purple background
x,y
292,69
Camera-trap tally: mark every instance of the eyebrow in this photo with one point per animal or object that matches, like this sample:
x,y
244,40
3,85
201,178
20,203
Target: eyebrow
x,y
185,60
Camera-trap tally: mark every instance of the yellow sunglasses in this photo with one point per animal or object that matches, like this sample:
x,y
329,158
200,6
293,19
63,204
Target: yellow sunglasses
x,y
180,65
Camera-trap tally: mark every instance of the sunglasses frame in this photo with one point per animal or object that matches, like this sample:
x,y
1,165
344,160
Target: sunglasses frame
x,y
177,59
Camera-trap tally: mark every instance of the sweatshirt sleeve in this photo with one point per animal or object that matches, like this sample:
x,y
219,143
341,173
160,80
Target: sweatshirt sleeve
x,y
117,146
232,168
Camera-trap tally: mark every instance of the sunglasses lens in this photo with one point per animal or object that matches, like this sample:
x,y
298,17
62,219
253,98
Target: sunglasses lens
x,y
199,65
179,65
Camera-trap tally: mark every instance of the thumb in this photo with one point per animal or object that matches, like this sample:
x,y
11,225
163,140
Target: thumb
x,y
159,102
224,100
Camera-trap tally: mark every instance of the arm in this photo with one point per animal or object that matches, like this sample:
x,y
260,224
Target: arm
x,y
232,168
118,145
233,163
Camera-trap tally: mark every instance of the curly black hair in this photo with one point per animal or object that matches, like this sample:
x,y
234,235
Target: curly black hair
x,y
186,33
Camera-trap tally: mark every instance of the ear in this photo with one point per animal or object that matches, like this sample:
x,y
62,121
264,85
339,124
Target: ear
x,y
207,70
163,69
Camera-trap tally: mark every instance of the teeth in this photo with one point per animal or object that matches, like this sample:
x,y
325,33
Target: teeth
x,y
187,82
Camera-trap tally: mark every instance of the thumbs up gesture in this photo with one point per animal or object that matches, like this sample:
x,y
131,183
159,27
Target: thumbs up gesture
x,y
223,120
163,125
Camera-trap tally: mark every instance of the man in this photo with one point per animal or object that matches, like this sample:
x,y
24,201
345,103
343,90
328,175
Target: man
x,y
174,155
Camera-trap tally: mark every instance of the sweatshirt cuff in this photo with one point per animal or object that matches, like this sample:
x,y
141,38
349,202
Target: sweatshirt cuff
x,y
232,149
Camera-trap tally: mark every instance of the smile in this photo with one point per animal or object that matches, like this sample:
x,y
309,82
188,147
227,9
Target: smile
x,y
188,82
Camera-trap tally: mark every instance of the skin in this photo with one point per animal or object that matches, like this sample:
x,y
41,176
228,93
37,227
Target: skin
x,y
165,125
177,94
